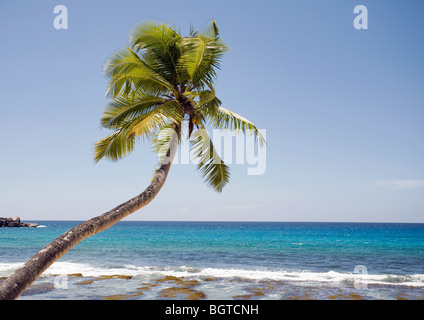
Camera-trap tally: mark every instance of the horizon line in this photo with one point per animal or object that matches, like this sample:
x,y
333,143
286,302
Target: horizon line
x,y
243,221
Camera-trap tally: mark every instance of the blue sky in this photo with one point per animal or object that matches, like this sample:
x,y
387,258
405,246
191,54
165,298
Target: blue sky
x,y
343,110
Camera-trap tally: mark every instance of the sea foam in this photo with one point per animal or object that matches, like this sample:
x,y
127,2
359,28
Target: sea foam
x,y
155,272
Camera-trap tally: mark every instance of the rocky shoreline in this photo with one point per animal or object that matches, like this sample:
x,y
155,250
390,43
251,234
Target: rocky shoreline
x,y
15,223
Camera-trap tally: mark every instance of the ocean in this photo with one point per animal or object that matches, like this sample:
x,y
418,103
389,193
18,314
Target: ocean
x,y
226,261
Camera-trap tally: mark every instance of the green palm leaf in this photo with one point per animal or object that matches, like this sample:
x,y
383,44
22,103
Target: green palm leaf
x,y
227,119
211,59
167,112
159,46
127,108
214,171
115,146
193,51
200,56
222,118
127,72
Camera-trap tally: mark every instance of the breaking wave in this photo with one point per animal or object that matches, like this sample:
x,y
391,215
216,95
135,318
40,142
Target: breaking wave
x,y
155,272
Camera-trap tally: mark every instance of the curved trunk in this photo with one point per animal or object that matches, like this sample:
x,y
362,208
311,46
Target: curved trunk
x,y
12,287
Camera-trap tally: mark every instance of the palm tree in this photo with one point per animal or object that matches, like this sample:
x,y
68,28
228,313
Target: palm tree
x,y
161,88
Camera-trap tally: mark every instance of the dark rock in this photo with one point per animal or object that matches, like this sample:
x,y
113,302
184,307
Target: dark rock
x,y
15,223
30,225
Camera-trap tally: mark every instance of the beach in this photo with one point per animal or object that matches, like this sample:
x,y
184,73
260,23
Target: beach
x,y
226,261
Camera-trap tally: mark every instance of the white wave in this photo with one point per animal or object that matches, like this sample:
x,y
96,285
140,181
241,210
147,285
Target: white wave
x,y
307,276
6,269
155,272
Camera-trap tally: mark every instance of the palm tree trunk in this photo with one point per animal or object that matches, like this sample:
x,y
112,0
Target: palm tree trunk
x,y
12,287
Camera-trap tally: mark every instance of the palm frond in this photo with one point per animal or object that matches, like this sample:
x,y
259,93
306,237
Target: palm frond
x,y
214,171
127,72
211,59
206,98
158,44
193,32
211,30
201,53
167,112
193,52
114,146
126,108
223,118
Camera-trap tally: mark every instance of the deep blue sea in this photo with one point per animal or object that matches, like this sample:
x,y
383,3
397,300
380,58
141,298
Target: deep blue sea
x,y
226,260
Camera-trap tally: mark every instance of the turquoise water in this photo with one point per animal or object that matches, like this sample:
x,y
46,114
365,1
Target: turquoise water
x,y
382,261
